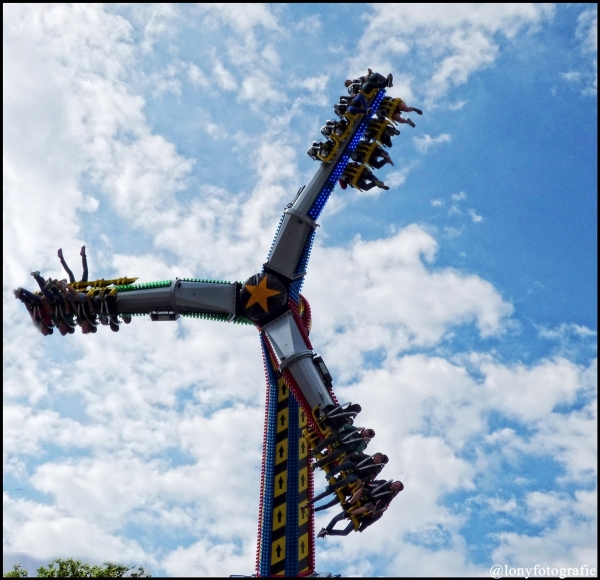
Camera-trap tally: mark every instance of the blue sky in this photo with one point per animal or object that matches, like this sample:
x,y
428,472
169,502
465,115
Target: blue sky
x,y
459,307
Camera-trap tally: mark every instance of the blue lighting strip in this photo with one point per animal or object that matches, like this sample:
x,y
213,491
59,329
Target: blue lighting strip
x,y
275,237
294,290
291,525
317,207
267,497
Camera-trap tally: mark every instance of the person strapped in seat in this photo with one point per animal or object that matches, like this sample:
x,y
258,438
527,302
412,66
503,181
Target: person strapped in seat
x,y
334,416
358,469
362,517
348,439
360,177
368,83
337,131
381,131
371,154
393,109
320,151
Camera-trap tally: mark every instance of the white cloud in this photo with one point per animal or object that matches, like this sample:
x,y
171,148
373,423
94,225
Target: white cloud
x,y
159,22
243,18
258,88
423,144
568,544
224,77
475,216
397,178
165,81
437,203
562,331
311,24
459,196
314,84
451,232
196,76
587,30
587,35
426,303
455,40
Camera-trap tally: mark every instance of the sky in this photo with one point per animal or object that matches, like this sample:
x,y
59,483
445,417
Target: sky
x,y
459,308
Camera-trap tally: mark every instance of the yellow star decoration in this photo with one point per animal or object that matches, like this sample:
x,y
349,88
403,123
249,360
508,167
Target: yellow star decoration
x,y
260,293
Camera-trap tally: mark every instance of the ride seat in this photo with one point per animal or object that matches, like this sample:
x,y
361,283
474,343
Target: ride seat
x,y
353,174
366,150
388,107
328,158
370,95
338,139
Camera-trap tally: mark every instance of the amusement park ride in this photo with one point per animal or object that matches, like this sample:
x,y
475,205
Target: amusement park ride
x,y
301,408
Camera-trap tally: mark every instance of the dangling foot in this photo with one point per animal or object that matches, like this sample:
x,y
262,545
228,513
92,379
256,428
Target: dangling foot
x,y
417,111
410,123
322,533
390,79
60,254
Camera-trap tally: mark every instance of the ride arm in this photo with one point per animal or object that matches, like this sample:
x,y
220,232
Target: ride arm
x,y
179,297
296,361
289,252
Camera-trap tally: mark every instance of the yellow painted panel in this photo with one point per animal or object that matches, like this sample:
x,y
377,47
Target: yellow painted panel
x,y
302,549
279,516
278,551
303,422
281,453
280,483
282,393
303,448
302,479
302,515
283,424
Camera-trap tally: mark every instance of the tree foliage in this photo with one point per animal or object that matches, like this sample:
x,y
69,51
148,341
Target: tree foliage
x,y
71,568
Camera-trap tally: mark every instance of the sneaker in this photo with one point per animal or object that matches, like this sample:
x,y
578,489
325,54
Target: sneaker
x,y
386,187
322,533
389,160
418,111
390,79
410,123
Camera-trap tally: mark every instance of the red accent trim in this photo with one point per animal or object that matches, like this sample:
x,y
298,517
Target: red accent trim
x,y
262,476
296,314
307,317
311,519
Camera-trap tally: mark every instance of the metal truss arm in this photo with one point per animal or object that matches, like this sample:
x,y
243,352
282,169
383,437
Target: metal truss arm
x,y
292,354
179,296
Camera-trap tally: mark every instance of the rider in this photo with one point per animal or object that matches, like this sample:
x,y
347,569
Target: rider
x,y
349,437
369,513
